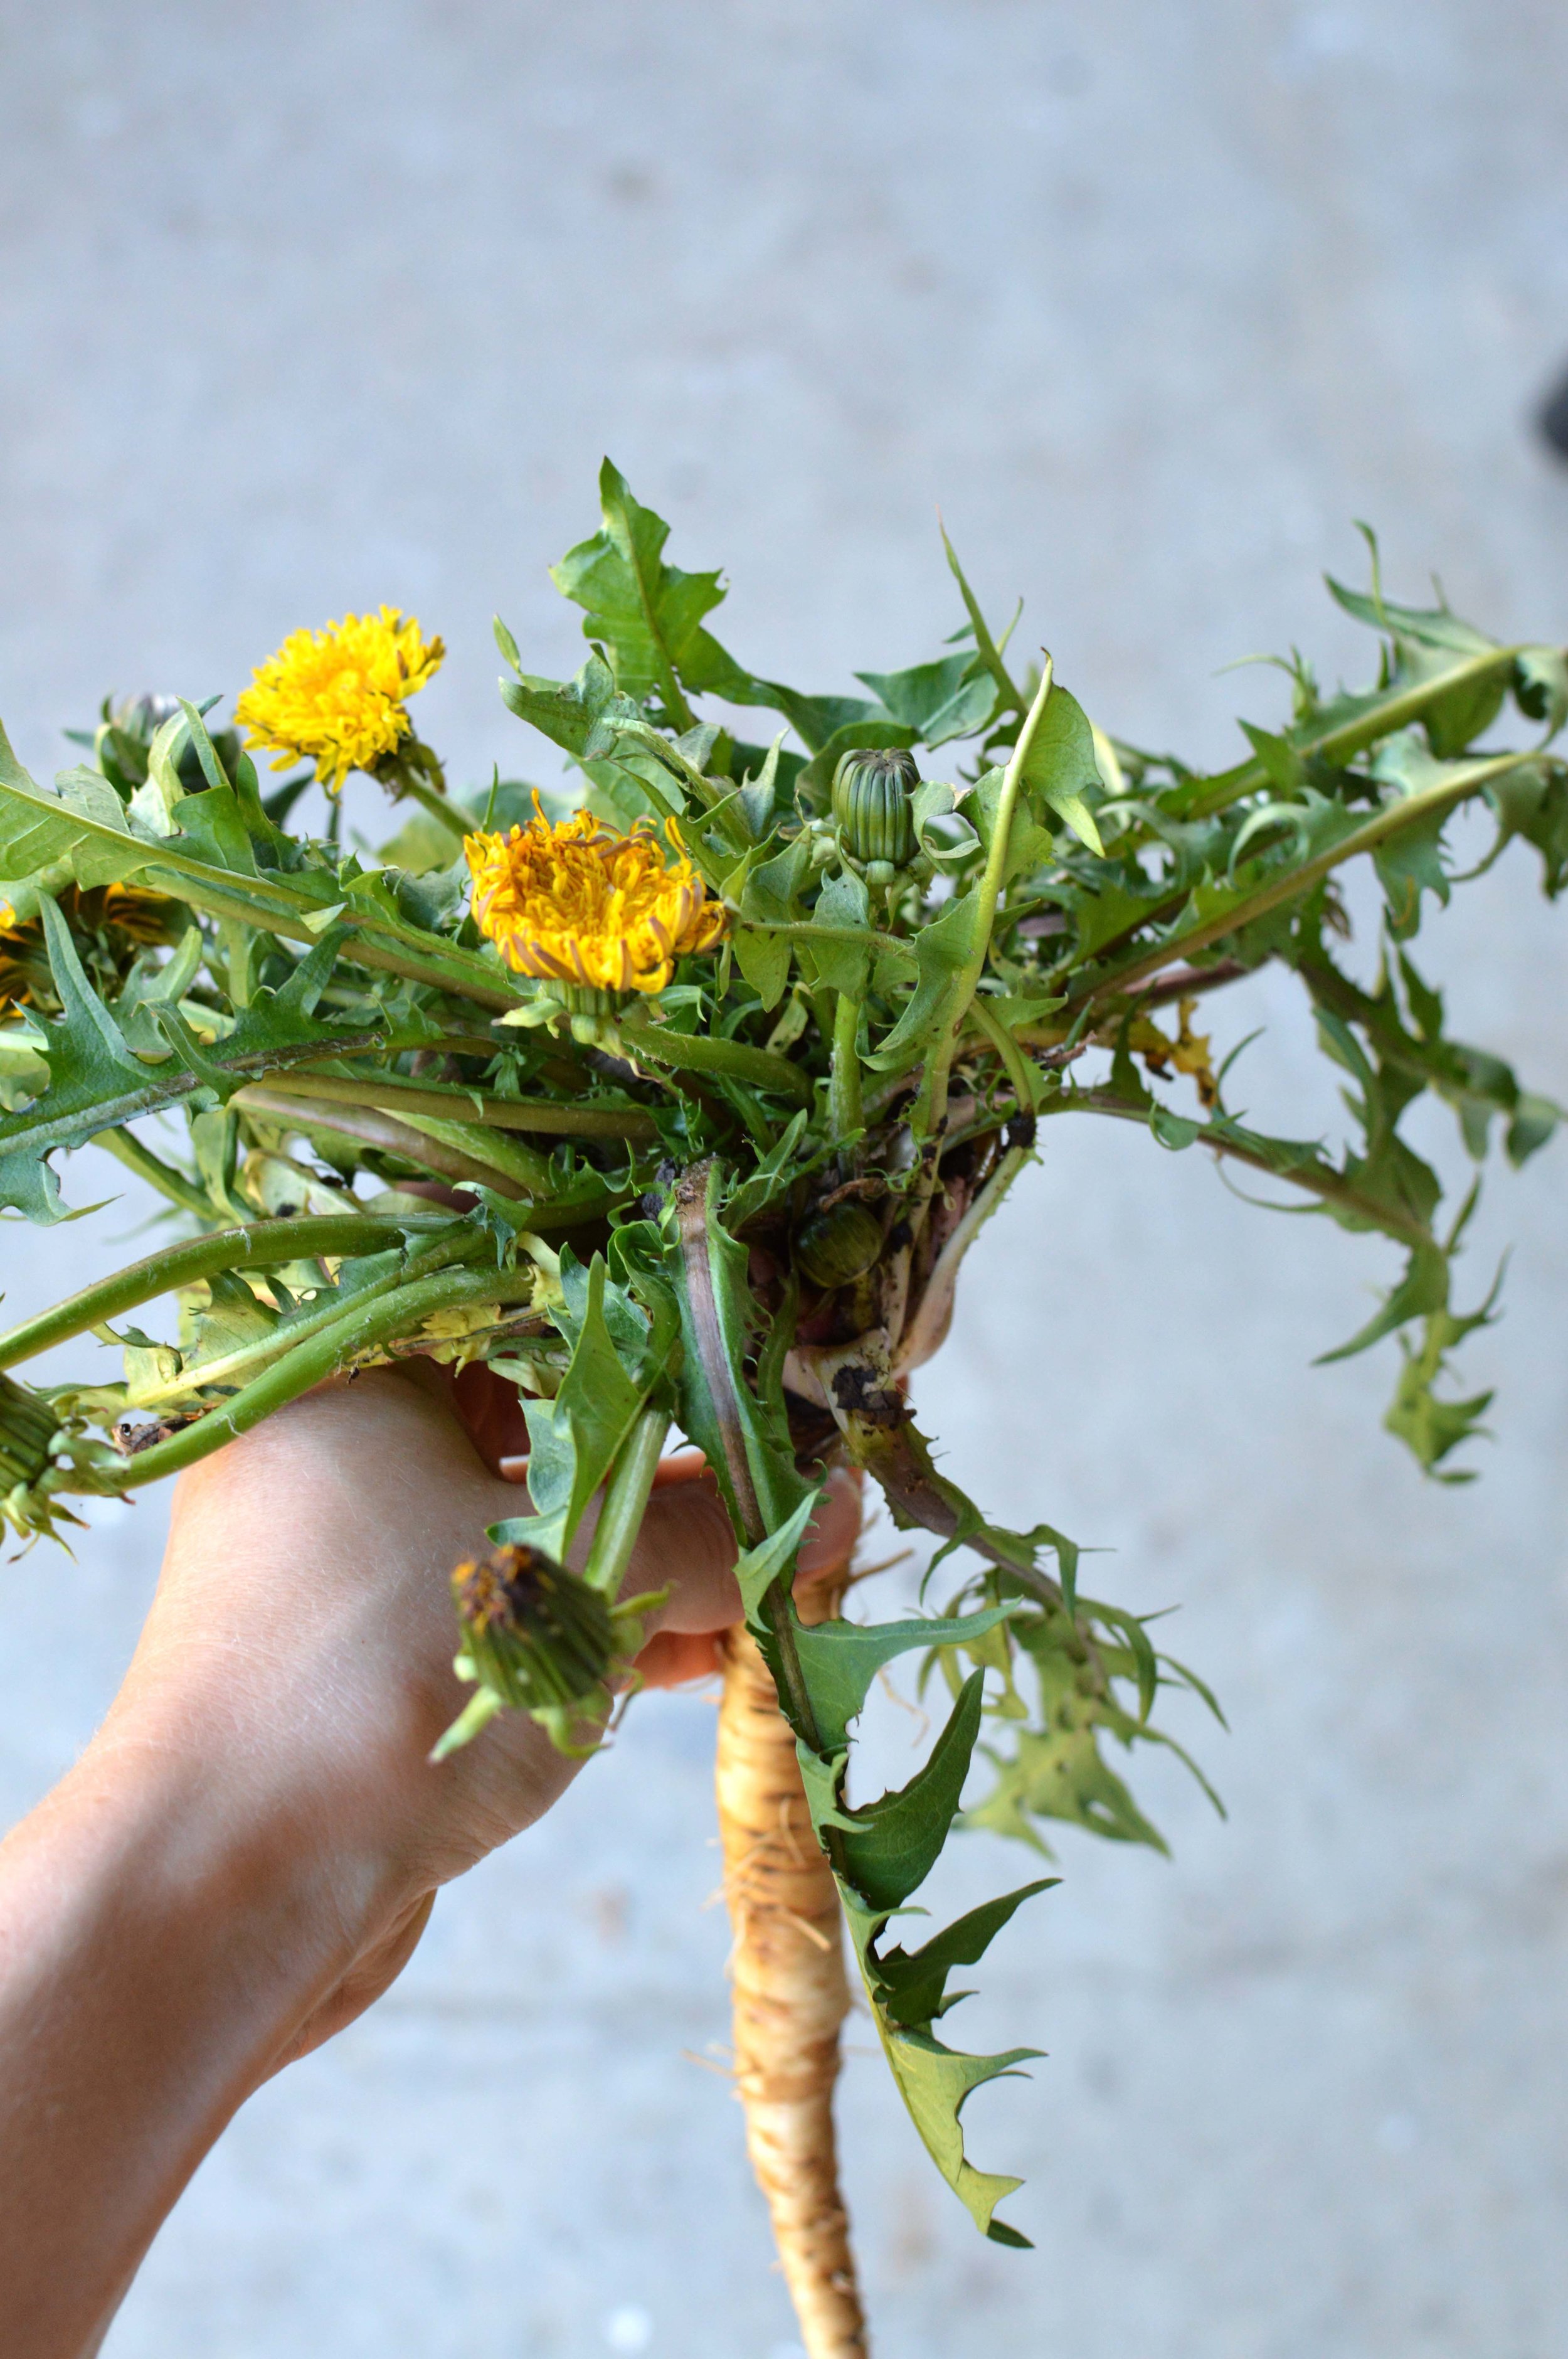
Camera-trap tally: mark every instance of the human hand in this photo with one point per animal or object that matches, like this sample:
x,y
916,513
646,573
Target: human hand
x,y
247,1852
302,1635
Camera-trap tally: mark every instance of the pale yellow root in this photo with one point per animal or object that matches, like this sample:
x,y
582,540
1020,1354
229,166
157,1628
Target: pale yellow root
x,y
791,1996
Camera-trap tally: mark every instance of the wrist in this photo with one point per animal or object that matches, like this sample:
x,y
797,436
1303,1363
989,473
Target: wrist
x,y
247,1836
160,1946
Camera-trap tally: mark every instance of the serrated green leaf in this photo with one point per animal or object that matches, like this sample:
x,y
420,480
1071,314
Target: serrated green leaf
x,y
777,1173
1534,1120
646,613
895,1840
951,698
1030,845
1409,865
1430,627
1540,685
934,2081
1422,1289
1059,1772
757,1568
816,720
1280,759
1061,770
569,711
911,1986
90,1067
838,965
840,1659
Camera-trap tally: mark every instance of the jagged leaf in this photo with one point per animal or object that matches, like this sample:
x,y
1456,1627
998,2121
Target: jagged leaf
x,y
569,711
934,2081
840,1659
91,1068
952,698
646,613
1422,1289
1430,627
943,951
894,1841
911,1986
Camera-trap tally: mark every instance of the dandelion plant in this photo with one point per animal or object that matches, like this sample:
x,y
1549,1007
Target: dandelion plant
x,y
675,1091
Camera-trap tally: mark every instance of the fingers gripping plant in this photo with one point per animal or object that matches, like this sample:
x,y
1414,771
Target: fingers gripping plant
x,y
728,1065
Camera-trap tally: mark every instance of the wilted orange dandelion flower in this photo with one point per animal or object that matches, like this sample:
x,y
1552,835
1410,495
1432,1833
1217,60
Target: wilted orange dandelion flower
x,y
576,902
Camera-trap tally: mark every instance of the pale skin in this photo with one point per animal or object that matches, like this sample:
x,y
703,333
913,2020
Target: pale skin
x,y
247,1852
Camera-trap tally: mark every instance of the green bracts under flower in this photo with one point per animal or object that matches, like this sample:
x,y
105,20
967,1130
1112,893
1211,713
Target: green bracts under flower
x,y
536,1634
27,1428
872,793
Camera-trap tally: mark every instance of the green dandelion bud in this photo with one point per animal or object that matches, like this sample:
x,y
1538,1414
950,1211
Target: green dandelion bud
x,y
871,794
27,1426
836,1246
536,1636
27,1429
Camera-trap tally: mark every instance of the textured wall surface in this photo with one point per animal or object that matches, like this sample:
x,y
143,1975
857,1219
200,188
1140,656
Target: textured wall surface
x,y
303,307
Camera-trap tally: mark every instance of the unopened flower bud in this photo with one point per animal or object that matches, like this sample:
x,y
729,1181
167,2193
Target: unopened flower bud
x,y
27,1426
836,1246
537,1635
871,790
27,1429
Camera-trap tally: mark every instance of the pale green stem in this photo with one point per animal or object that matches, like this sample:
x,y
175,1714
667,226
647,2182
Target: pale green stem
x,y
864,936
932,1101
256,1355
437,805
267,1245
1355,736
1315,1178
625,1498
374,1129
844,1111
393,1094
696,1052
449,968
360,1329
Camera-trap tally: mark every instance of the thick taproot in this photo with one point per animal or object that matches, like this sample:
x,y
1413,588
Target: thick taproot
x,y
791,1995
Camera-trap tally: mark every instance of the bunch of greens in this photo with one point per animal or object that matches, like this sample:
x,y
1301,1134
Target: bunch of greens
x,y
722,1078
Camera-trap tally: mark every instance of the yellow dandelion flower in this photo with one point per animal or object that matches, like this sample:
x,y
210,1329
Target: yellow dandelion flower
x,y
578,904
338,697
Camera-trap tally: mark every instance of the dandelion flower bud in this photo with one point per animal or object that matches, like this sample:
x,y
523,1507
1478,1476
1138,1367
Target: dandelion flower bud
x,y
871,791
537,1636
836,1246
27,1428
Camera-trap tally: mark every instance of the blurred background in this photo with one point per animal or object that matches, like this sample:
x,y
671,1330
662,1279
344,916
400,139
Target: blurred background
x,y
308,307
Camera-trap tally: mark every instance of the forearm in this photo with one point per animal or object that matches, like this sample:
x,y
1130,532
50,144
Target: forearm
x,y
160,1947
245,1855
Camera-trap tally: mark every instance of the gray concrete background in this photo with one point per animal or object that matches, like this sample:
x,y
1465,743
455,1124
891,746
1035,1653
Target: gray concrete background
x,y
306,307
